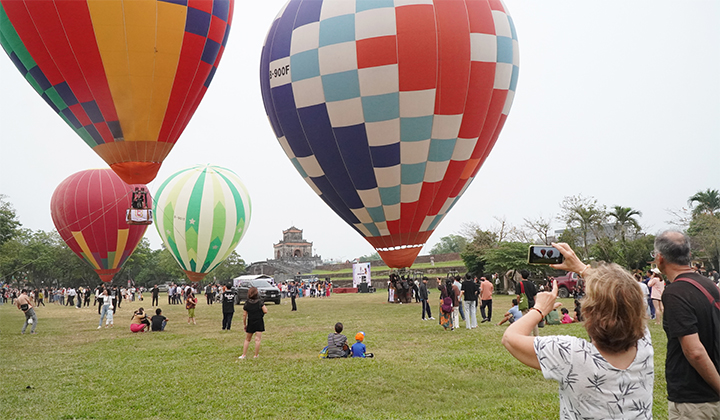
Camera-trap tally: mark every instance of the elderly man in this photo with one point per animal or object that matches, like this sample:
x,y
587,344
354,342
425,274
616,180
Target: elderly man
x,y
691,367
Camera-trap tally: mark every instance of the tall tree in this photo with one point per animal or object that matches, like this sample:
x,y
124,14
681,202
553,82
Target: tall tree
x,y
508,256
539,230
136,263
473,255
372,257
9,223
232,267
625,219
704,232
450,244
585,217
708,202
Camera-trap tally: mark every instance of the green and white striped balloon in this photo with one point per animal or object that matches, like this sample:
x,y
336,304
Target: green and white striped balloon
x,y
201,213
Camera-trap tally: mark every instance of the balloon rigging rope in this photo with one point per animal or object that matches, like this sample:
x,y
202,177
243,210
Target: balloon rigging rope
x,y
104,210
157,212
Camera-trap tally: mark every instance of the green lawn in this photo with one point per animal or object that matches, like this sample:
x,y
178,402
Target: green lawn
x,y
420,371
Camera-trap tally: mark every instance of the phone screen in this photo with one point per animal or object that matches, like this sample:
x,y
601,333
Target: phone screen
x,y
544,255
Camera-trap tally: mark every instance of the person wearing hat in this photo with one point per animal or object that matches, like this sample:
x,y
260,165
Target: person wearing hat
x,y
358,349
657,287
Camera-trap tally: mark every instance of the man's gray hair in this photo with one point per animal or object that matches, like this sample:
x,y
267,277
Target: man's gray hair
x,y
674,247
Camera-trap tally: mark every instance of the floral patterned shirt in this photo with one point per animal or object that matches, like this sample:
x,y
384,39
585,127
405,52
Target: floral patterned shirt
x,y
590,387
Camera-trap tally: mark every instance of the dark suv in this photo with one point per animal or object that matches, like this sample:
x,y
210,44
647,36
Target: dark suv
x,y
267,291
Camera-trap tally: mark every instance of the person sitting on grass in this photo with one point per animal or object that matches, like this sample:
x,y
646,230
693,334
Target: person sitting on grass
x,y
358,349
513,314
337,343
158,321
578,312
566,316
139,321
552,318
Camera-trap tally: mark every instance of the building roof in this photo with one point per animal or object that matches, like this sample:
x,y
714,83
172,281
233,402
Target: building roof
x,y
306,243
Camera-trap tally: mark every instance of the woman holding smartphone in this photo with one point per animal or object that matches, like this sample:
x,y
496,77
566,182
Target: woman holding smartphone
x,y
610,376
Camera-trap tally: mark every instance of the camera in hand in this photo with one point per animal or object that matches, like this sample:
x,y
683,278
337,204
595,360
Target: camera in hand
x,y
544,255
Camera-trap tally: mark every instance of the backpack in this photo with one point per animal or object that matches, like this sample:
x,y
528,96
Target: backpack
x,y
447,305
715,319
523,303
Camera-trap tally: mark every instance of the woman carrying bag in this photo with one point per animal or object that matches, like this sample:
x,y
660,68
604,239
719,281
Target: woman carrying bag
x,y
446,307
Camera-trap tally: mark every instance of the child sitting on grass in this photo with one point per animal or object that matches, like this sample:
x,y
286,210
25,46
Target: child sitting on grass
x,y
358,349
566,316
337,343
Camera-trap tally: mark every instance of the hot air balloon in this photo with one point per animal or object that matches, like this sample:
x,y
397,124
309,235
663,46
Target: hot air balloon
x,y
201,214
389,108
88,210
127,76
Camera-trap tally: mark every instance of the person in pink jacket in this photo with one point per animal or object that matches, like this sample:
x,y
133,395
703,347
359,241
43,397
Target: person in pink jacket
x,y
658,287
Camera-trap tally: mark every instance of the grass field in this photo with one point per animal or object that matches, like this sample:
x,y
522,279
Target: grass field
x,y
71,370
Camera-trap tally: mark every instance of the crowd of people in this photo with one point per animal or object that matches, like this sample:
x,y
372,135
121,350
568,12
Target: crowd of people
x,y
79,297
460,297
614,307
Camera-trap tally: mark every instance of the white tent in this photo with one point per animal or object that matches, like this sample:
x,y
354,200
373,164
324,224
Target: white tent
x,y
237,280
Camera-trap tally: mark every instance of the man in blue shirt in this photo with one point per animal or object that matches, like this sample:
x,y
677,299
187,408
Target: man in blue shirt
x,y
513,314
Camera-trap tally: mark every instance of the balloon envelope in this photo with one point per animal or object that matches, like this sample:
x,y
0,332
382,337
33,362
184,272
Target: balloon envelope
x,y
388,109
88,210
201,214
127,76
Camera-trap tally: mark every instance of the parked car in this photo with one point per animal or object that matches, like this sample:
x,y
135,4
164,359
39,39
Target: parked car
x,y
566,284
266,290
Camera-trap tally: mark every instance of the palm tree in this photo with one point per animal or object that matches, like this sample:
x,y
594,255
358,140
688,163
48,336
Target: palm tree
x,y
708,202
586,220
624,219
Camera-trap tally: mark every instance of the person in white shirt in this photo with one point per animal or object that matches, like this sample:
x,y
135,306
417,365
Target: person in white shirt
x,y
645,292
106,311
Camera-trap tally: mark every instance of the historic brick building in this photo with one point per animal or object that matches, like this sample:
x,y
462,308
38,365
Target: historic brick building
x,y
292,245
292,255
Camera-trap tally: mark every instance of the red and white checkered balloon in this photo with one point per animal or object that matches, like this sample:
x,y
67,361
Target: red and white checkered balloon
x,y
388,108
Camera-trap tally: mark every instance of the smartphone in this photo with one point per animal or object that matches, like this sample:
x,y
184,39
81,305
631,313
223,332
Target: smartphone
x,y
544,255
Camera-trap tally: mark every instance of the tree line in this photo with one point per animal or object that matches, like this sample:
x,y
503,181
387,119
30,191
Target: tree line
x,y
42,259
594,231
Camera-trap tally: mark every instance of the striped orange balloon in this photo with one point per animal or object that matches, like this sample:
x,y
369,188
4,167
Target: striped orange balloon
x,y
126,75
